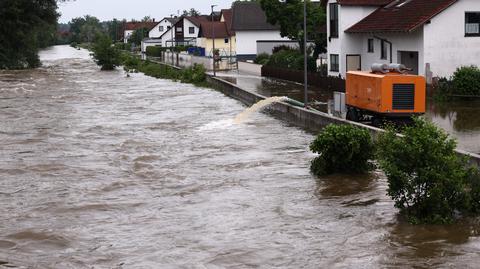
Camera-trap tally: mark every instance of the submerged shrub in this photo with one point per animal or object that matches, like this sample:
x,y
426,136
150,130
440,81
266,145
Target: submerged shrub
x,y
342,148
195,75
427,180
105,54
466,81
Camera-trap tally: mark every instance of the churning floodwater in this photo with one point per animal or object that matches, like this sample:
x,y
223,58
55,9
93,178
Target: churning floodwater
x,y
100,170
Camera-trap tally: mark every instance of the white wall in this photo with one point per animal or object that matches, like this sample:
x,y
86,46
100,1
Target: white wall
x,y
155,32
187,24
247,40
126,35
346,43
446,46
167,36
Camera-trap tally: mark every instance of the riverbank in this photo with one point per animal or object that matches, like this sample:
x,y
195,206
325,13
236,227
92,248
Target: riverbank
x,y
308,119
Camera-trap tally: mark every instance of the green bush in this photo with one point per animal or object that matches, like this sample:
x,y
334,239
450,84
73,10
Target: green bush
x,y
105,54
195,75
342,148
466,81
262,58
427,180
154,51
73,44
291,59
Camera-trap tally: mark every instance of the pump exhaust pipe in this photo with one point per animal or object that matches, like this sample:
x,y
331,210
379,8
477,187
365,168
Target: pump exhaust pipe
x,y
385,68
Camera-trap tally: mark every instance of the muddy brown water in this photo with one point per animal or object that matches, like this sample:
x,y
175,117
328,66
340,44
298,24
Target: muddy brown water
x,y
98,170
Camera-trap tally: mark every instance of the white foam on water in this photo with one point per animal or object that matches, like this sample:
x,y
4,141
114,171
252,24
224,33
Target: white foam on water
x,y
217,125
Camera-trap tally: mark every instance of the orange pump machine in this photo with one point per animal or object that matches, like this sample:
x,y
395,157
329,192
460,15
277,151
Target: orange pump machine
x,y
386,92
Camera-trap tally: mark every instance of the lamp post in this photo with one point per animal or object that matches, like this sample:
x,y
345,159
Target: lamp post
x,y
213,50
305,56
172,28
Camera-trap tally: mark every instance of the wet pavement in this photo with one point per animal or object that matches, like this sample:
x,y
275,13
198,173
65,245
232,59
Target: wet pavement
x,y
98,170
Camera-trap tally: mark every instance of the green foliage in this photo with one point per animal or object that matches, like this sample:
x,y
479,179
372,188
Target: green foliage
x,y
138,35
291,59
342,148
289,15
466,81
262,58
105,54
195,75
154,51
427,180
26,25
123,46
85,29
192,12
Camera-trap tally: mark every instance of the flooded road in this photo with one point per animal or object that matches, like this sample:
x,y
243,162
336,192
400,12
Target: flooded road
x,y
98,170
460,119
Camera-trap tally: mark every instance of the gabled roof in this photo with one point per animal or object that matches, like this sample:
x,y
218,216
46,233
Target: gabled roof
x,y
364,2
401,16
207,28
197,20
250,16
171,20
138,25
227,15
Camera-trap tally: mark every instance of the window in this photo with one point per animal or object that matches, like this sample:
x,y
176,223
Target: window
x,y
333,20
334,67
160,28
472,23
384,53
191,30
226,40
179,29
169,27
370,45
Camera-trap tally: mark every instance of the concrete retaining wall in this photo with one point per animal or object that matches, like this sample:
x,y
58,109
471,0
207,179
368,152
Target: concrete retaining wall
x,y
308,119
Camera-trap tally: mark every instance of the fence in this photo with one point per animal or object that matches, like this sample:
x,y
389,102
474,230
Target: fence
x,y
314,79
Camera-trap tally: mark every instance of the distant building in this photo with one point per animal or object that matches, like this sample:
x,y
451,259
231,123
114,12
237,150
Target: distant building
x,y
130,27
433,37
251,27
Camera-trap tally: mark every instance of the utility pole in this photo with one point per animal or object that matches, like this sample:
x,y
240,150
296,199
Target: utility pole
x,y
213,51
305,56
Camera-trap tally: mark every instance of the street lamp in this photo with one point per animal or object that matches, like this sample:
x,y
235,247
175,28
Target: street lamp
x,y
172,28
213,51
305,56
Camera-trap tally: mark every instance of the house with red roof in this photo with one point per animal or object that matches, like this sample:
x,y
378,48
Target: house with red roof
x,y
130,27
433,37
219,31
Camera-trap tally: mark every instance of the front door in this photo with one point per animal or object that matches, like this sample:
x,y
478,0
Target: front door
x,y
354,63
410,60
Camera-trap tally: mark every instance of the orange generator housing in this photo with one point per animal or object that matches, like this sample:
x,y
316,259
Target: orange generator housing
x,y
386,95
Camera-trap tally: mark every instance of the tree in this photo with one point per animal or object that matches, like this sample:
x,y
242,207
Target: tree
x,y
138,35
289,16
24,24
427,180
192,12
105,54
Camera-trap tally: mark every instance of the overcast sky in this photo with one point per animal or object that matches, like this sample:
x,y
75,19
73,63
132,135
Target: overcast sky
x,y
134,9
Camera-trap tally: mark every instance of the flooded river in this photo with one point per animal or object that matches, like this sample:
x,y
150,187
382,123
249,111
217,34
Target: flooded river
x,y
98,170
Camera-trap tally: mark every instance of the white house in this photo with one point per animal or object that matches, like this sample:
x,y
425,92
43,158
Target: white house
x,y
433,37
130,27
161,27
250,25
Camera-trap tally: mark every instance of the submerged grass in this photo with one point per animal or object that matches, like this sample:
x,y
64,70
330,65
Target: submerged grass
x,y
193,75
